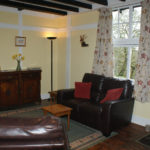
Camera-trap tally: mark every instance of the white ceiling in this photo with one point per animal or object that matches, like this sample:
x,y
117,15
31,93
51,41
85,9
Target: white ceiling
x,y
113,3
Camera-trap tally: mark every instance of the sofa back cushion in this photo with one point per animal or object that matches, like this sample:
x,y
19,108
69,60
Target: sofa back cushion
x,y
82,90
96,81
112,94
112,83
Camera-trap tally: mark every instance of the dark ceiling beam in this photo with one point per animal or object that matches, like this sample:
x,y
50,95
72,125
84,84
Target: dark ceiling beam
x,y
75,3
102,2
50,4
21,6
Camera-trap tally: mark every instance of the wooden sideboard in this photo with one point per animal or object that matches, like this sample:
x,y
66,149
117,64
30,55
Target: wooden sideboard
x,y
18,88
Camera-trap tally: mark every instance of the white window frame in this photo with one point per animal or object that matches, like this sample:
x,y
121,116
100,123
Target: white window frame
x,y
130,42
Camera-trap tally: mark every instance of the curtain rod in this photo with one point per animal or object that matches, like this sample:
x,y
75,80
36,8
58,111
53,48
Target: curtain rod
x,y
139,3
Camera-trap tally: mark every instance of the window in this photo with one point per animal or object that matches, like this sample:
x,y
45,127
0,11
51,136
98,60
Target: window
x,y
126,31
125,61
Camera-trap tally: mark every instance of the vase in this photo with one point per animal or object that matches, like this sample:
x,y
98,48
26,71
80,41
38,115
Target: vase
x,y
18,66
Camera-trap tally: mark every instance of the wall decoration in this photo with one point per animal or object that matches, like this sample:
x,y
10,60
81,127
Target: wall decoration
x,y
82,40
20,41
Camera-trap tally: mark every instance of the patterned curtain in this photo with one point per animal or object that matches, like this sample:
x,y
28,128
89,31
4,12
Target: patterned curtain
x,y
142,78
103,54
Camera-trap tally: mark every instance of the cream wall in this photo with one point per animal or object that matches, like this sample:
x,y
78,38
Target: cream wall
x,y
37,54
8,17
7,48
59,22
7,38
81,57
141,113
61,60
43,50
84,18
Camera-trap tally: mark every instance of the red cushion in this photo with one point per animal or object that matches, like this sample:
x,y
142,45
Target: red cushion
x,y
82,90
112,94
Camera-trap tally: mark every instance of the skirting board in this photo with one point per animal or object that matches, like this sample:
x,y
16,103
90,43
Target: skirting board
x,y
45,96
140,121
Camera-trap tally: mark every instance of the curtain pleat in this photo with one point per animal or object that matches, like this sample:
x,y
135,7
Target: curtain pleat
x,y
103,54
142,77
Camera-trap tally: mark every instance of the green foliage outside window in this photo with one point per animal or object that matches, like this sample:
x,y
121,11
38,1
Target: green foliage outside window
x,y
120,55
133,61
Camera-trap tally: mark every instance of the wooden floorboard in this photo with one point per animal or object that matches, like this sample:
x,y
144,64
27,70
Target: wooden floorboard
x,y
125,140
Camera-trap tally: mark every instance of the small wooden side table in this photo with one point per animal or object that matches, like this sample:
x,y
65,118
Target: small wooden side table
x,y
53,97
58,110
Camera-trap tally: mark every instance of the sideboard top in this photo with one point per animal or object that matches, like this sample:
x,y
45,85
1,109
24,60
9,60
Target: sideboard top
x,y
22,71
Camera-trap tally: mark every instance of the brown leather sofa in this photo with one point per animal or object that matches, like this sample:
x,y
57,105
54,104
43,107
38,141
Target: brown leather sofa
x,y
45,133
106,117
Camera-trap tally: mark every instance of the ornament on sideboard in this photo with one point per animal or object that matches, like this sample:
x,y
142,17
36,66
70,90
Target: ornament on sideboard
x,y
18,58
82,40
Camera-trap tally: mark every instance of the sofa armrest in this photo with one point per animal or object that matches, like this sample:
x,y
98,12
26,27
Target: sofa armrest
x,y
64,94
116,114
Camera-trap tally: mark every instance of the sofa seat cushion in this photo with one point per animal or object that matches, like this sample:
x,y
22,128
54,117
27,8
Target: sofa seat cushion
x,y
74,104
90,114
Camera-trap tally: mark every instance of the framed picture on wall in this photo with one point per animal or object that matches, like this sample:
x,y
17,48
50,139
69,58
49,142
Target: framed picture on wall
x,y
20,41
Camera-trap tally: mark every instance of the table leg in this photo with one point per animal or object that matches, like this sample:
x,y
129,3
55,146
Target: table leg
x,y
51,102
53,97
45,112
68,121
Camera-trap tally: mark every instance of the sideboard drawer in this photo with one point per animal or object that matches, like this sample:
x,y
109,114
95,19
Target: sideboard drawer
x,y
31,75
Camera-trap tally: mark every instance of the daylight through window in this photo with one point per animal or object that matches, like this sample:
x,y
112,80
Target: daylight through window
x,y
126,31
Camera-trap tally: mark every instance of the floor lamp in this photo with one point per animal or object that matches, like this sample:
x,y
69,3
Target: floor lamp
x,y
51,38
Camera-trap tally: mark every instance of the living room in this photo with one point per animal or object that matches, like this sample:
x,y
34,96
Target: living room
x,y
70,59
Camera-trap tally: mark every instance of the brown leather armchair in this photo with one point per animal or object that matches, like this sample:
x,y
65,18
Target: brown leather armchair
x,y
105,117
45,133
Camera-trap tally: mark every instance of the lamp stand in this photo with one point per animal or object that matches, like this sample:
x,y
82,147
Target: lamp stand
x,y
51,38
